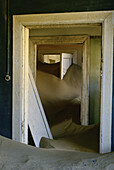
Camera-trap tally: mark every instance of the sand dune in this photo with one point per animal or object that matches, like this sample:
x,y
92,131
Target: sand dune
x,y
73,78
56,93
70,136
61,97
17,156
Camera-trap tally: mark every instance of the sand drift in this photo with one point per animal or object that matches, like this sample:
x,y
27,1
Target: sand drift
x,y
56,93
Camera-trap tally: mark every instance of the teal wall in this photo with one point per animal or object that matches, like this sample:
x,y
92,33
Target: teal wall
x,y
27,7
47,6
5,87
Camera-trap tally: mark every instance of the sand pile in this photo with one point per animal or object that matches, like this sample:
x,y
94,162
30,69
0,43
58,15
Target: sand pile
x,y
56,93
70,136
17,156
73,78
71,110
61,97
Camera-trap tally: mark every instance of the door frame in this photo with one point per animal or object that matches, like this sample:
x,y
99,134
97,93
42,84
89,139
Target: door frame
x,y
62,40
21,26
62,63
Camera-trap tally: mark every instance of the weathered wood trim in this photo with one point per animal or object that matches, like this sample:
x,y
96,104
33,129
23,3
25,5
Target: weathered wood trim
x,y
17,82
36,117
85,84
20,82
61,67
66,26
24,125
33,21
33,57
64,56
106,86
58,40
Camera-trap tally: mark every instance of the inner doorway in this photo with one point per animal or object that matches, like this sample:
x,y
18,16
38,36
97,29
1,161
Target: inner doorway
x,y
65,46
64,62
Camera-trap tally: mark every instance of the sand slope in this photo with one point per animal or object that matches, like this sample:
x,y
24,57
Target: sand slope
x,y
73,78
56,93
17,156
70,136
63,152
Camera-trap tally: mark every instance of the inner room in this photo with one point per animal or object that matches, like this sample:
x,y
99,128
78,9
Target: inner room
x,y
67,76
57,60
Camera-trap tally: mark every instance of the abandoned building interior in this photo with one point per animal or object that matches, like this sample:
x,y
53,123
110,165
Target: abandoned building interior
x,y
58,75
62,87
63,80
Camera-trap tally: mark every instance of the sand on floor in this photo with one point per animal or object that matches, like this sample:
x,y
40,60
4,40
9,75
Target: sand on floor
x,y
70,136
17,156
74,146
55,93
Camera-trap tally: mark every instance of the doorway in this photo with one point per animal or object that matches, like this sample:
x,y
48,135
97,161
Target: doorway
x,y
66,47
21,28
66,66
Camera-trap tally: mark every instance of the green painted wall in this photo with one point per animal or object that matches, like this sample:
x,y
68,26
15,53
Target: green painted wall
x,y
94,79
